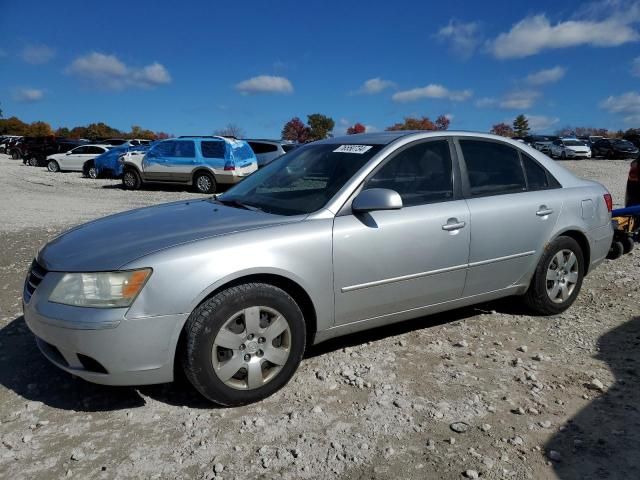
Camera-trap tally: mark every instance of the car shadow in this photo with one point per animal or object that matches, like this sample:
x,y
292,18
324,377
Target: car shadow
x,y
602,440
163,187
26,372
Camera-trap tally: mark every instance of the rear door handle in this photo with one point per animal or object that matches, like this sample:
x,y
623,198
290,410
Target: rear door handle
x,y
453,224
543,211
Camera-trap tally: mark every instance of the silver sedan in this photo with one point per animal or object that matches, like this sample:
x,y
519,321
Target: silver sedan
x,y
336,237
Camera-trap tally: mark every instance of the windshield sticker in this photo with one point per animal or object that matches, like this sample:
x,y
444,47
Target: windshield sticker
x,y
360,149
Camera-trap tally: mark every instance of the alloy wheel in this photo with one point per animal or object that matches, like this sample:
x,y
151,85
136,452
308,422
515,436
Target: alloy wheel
x,y
251,348
203,183
562,276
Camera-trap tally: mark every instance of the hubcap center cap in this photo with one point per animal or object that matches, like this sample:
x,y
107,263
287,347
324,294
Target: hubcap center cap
x,y
252,347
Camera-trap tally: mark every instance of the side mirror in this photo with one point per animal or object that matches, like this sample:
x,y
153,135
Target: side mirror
x,y
376,199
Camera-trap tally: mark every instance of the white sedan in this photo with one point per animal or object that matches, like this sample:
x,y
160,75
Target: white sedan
x,y
569,148
75,160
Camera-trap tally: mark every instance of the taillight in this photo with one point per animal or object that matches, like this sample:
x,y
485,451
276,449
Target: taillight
x,y
229,165
633,171
609,201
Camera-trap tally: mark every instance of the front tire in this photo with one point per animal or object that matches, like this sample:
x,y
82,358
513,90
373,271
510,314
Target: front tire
x,y
204,183
53,166
131,179
33,162
244,343
557,279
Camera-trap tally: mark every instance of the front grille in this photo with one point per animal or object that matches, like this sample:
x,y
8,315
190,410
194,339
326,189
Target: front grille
x,y
34,277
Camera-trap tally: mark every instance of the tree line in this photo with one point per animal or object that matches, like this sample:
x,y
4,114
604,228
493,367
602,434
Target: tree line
x,y
520,128
320,126
15,126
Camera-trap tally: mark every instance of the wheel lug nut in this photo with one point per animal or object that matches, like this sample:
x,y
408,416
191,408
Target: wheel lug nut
x,y
243,346
260,353
247,357
261,340
250,336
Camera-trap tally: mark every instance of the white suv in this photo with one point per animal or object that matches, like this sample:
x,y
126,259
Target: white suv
x,y
268,150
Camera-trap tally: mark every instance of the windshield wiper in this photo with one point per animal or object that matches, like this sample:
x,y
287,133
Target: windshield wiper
x,y
238,204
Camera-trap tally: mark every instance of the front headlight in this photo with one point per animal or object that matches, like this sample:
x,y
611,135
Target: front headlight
x,y
100,289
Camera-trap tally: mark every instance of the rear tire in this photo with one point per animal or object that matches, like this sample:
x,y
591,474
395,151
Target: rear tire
x,y
204,182
33,162
53,166
89,170
131,179
557,279
627,245
230,348
563,156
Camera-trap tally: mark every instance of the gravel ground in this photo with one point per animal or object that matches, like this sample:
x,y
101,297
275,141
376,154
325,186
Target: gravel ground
x,y
483,392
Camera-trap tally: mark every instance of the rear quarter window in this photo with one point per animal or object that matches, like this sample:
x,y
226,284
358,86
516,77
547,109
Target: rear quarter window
x,y
213,149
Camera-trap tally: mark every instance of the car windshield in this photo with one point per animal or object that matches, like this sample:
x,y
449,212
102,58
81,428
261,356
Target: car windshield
x,y
573,143
302,181
623,143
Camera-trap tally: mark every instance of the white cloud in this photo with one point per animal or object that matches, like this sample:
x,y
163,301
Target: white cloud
x,y
635,67
541,123
28,95
449,116
550,75
463,38
107,71
534,34
265,84
627,104
374,85
37,54
519,99
371,129
486,102
431,91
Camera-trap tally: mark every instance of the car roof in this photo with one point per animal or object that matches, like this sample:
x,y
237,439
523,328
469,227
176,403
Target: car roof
x,y
269,140
387,137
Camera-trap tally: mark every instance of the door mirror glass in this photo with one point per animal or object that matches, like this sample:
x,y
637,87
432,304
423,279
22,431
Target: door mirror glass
x,y
376,199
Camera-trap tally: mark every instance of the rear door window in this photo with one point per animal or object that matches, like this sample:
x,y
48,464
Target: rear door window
x,y
492,168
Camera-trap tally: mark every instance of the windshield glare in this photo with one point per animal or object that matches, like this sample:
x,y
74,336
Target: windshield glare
x,y
573,143
300,182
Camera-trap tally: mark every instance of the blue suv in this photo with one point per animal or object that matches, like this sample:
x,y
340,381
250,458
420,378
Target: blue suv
x,y
203,162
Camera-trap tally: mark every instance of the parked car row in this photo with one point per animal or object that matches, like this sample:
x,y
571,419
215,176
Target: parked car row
x,y
202,162
592,146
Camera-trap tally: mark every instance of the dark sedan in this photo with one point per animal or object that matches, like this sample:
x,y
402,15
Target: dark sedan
x,y
614,148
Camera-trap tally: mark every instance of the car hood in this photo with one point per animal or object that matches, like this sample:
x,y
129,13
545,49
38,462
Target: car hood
x,y
111,242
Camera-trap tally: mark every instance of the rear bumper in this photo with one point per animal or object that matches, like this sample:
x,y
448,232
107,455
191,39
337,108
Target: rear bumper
x,y
599,241
230,177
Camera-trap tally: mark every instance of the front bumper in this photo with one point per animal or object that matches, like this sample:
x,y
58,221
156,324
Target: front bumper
x,y
103,345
